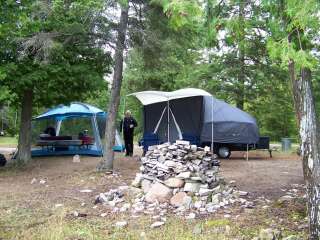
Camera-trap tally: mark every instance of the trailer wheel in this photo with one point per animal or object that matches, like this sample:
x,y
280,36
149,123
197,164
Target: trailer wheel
x,y
3,160
224,152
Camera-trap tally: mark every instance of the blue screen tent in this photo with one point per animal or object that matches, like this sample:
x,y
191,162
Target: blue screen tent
x,y
76,110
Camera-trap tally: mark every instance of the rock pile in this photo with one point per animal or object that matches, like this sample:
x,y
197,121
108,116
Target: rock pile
x,y
177,178
186,176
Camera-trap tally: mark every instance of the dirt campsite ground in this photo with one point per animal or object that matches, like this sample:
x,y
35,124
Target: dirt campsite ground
x,y
38,202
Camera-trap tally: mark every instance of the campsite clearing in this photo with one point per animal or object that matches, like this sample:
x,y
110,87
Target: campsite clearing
x,y
44,209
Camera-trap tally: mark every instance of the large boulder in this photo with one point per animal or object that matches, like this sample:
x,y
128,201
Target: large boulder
x,y
181,199
158,192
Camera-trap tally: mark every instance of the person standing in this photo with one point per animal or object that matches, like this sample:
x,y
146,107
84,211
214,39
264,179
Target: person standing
x,y
127,125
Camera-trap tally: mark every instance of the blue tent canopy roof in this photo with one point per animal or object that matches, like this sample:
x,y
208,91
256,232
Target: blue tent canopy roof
x,y
75,109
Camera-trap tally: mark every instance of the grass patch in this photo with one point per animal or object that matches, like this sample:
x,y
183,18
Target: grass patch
x,y
8,141
217,223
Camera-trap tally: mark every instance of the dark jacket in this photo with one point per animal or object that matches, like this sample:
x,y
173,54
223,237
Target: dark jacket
x,y
125,125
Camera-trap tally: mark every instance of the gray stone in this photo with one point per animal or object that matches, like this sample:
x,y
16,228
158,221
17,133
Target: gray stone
x,y
170,164
182,142
158,192
216,198
269,234
211,207
197,161
184,175
103,198
137,181
285,198
197,178
243,193
145,185
204,191
192,187
193,148
291,237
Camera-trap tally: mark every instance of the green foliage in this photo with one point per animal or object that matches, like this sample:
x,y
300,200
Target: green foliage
x,y
229,59
297,21
53,48
181,13
285,51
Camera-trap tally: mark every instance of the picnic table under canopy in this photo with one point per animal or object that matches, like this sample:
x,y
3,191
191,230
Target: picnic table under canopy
x,y
79,129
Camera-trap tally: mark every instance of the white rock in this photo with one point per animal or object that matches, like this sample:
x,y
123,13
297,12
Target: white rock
x,y
191,216
170,163
34,180
112,203
192,187
157,224
243,193
76,158
137,181
85,191
206,149
204,191
121,224
125,207
184,175
285,198
181,142
198,204
123,188
42,181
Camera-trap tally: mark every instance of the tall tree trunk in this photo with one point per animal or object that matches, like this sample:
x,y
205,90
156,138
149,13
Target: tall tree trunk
x,y
24,144
240,91
107,163
308,128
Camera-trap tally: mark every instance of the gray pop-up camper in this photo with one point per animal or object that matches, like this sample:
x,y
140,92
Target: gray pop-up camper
x,y
195,115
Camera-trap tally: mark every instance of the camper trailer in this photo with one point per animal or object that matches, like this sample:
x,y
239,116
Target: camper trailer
x,y
195,115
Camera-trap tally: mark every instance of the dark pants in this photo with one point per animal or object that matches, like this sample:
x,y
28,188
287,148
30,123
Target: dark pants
x,y
128,142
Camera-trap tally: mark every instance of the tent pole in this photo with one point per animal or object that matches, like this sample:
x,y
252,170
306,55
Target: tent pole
x,y
58,127
96,134
168,120
247,152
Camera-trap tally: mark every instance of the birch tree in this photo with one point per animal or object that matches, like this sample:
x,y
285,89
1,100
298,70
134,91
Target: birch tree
x,y
294,28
